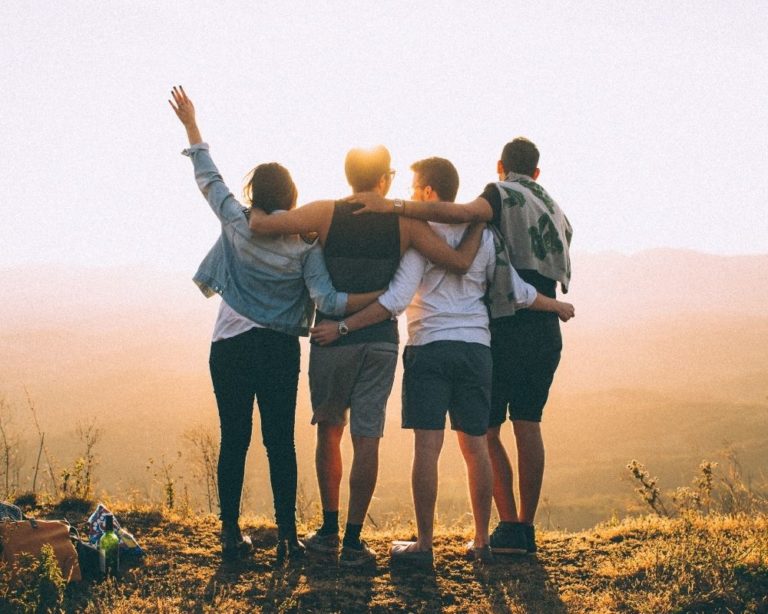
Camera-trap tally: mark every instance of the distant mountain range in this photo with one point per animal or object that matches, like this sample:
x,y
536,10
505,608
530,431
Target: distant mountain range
x,y
660,337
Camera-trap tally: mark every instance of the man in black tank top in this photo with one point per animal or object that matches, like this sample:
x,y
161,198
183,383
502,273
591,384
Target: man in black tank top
x,y
526,347
354,375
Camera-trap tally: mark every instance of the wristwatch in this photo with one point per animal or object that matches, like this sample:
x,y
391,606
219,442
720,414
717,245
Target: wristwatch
x,y
399,205
343,328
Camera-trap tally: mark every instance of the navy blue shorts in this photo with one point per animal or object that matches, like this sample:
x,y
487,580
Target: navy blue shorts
x,y
526,351
451,377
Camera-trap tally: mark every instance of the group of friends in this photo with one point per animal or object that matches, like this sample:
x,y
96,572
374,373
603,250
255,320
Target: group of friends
x,y
477,282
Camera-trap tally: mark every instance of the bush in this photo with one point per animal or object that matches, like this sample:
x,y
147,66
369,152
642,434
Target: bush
x,y
33,584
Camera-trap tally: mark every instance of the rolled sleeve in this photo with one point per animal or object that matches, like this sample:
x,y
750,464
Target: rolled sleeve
x,y
405,283
524,292
211,184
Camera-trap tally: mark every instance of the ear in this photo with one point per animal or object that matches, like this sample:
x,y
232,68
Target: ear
x,y
427,191
535,175
500,170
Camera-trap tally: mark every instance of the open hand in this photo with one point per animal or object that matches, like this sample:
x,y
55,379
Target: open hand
x,y
183,108
565,311
371,201
325,332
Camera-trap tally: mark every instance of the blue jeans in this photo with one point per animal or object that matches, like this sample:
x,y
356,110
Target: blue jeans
x,y
265,364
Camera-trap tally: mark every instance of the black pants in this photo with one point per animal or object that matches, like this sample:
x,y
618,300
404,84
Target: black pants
x,y
265,364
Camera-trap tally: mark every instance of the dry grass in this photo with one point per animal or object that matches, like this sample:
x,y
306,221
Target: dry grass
x,y
690,564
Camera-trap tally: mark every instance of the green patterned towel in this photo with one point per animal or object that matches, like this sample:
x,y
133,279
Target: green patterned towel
x,y
535,229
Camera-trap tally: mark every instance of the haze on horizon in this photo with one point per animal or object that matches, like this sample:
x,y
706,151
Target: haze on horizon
x,y
650,117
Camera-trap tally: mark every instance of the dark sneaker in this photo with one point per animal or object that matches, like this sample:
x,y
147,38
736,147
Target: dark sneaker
x,y
234,545
479,554
530,534
509,538
402,553
352,556
290,548
324,544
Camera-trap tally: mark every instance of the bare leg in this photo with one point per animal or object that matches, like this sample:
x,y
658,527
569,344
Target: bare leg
x,y
426,452
480,477
530,466
328,464
362,477
503,495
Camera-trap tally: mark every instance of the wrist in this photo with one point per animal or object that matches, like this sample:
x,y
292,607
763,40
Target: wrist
x,y
398,206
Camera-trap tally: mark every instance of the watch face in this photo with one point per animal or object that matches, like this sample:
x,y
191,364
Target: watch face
x,y
343,328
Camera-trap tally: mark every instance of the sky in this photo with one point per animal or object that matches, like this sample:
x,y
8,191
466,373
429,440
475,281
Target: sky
x,y
651,117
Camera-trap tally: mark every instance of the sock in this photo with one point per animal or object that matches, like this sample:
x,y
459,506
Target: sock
x,y
352,535
330,523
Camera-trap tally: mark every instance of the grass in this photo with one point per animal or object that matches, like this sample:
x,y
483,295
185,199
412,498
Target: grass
x,y
693,563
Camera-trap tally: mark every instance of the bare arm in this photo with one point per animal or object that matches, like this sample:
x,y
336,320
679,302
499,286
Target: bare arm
x,y
356,302
327,331
564,311
479,210
437,251
306,219
185,111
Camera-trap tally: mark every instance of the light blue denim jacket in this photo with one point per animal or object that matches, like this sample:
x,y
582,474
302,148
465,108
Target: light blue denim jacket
x,y
274,281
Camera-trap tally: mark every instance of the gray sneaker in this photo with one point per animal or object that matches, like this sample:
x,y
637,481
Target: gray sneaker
x,y
510,538
357,557
324,544
401,554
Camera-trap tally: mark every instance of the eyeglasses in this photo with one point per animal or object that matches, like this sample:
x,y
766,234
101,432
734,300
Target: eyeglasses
x,y
391,172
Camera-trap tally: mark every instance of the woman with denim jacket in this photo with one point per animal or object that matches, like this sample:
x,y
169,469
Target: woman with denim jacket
x,y
269,287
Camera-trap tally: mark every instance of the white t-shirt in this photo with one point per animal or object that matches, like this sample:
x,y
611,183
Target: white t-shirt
x,y
447,306
229,323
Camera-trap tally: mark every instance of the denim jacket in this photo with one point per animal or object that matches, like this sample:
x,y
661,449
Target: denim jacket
x,y
274,281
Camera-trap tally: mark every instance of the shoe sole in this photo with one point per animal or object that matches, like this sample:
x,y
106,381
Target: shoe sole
x,y
517,551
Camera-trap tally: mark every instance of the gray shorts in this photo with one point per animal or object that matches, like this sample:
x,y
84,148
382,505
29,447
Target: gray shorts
x,y
356,378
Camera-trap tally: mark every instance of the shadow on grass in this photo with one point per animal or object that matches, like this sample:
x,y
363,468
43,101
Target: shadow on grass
x,y
331,588
417,587
522,582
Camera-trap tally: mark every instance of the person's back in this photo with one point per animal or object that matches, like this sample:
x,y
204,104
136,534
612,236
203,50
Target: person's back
x,y
448,306
362,254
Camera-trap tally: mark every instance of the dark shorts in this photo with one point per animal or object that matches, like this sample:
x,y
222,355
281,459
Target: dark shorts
x,y
447,376
526,351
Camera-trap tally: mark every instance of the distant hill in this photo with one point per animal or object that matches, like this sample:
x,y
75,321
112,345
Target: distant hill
x,y
667,360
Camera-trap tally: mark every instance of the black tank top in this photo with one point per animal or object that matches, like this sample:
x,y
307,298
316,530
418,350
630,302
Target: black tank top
x,y
362,253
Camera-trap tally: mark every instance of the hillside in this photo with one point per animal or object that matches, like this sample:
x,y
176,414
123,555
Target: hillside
x,y
666,362
643,565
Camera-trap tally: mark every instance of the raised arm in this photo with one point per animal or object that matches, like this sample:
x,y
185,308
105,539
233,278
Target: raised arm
x,y
209,180
185,111
309,218
479,210
436,250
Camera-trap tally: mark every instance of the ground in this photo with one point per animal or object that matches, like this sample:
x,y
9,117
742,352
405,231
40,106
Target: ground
x,y
650,564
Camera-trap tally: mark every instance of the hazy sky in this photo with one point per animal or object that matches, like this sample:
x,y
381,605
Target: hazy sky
x,y
651,116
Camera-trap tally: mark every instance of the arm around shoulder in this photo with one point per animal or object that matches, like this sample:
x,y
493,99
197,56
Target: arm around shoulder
x,y
306,219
